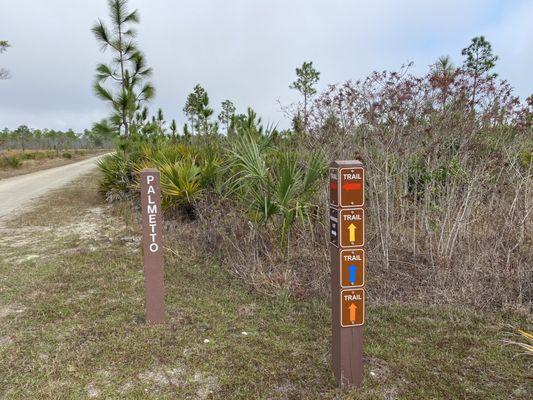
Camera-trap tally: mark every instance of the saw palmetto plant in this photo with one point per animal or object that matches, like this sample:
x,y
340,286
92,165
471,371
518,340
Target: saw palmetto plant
x,y
275,185
526,342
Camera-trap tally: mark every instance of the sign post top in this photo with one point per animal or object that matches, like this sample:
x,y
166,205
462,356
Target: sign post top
x,y
150,171
346,163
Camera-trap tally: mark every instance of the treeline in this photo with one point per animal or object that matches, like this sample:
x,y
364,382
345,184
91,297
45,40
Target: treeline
x,y
24,138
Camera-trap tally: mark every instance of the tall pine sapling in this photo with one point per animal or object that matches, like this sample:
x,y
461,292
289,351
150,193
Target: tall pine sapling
x,y
127,72
227,114
479,61
307,78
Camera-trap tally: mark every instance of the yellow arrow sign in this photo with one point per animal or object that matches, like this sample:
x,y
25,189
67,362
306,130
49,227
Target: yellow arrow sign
x,y
351,229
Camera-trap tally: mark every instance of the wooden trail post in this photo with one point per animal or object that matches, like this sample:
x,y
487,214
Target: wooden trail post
x,y
152,227
347,258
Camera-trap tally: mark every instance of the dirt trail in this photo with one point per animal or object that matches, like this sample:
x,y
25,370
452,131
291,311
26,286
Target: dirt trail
x,y
18,192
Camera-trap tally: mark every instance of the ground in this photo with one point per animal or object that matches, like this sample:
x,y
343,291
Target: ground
x,y
72,325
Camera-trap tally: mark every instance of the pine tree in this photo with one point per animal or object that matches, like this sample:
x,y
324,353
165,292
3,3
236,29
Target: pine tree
x,y
479,61
307,78
128,72
227,113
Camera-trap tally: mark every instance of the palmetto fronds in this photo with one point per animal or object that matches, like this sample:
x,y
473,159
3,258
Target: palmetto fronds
x,y
274,184
527,345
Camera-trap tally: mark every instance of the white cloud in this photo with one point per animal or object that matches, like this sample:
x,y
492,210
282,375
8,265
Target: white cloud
x,y
242,50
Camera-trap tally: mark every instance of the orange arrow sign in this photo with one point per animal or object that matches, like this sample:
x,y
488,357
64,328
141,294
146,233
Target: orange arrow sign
x,y
353,309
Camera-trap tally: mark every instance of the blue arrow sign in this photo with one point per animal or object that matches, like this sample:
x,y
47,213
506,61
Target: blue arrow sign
x,y
353,273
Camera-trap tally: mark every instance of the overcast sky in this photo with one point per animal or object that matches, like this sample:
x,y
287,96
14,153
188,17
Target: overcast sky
x,y
243,50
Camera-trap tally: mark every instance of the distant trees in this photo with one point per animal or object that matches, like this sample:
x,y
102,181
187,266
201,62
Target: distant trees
x,y
25,138
307,78
479,61
198,111
127,72
4,73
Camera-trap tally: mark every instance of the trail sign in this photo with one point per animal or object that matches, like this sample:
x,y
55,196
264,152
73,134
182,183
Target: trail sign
x,y
347,258
352,307
152,228
352,268
352,223
351,187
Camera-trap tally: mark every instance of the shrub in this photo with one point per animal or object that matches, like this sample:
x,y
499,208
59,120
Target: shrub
x,y
66,155
13,162
117,178
274,185
181,185
29,156
448,190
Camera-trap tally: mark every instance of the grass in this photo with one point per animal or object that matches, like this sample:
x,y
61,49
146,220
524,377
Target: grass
x,y
72,326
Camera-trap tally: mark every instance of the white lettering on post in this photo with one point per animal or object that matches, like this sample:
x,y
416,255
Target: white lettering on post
x,y
152,213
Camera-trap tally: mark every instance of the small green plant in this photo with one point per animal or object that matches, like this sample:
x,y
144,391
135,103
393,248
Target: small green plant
x,y
13,162
66,155
29,156
116,180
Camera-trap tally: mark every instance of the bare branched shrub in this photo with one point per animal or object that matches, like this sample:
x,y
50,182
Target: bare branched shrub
x,y
448,186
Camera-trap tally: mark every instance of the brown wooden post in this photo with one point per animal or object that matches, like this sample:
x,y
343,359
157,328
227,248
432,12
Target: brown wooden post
x,y
347,257
152,227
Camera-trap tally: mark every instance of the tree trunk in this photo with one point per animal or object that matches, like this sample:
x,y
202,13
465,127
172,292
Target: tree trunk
x,y
123,83
305,112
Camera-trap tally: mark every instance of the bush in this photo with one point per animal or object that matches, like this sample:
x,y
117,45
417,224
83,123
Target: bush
x,y
29,156
274,185
66,155
117,178
12,162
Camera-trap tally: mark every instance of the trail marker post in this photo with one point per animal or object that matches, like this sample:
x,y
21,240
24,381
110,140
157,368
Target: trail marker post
x,y
347,257
152,228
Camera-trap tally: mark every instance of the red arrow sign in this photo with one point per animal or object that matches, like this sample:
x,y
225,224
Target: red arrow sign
x,y
352,186
333,185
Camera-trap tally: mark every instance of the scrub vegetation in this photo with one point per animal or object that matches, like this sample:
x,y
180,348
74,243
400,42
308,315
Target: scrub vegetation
x,y
72,324
448,190
16,162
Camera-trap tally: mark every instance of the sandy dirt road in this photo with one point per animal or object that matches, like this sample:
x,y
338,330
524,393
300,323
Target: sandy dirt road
x,y
17,193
